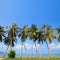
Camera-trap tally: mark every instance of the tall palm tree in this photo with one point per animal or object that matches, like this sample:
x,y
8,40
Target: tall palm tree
x,y
23,34
48,36
11,36
33,36
40,40
7,42
58,32
2,33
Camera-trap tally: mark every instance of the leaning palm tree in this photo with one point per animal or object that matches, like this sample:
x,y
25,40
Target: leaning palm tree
x,y
48,35
40,40
2,33
11,36
23,34
7,43
33,36
58,33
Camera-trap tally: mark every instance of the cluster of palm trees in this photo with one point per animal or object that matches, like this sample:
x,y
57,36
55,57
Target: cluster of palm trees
x,y
45,34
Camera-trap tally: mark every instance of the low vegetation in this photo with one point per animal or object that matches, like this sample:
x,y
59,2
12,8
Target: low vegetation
x,y
33,59
11,54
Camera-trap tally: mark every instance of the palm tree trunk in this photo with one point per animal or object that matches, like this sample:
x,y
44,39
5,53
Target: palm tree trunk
x,y
48,49
6,51
32,50
21,50
36,50
10,44
40,51
26,50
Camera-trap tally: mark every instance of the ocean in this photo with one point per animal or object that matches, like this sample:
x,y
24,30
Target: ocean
x,y
34,55
30,55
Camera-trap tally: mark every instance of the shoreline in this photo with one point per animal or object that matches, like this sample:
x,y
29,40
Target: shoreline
x,y
2,58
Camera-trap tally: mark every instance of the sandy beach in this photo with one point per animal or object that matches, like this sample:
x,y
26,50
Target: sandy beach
x,y
1,58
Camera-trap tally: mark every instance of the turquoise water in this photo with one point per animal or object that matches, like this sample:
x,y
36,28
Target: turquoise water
x,y
34,55
30,55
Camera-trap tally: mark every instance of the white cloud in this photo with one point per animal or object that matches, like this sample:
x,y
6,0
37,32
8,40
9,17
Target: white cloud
x,y
37,45
3,47
18,46
58,46
54,46
28,46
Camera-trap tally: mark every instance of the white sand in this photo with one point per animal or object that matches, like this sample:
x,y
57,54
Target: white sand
x,y
1,58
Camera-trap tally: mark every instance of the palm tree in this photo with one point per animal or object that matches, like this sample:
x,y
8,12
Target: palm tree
x,y
11,36
48,36
40,40
33,36
58,32
23,34
7,42
2,33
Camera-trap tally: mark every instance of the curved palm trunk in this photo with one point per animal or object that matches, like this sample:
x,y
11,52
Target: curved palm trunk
x,y
10,44
48,49
40,51
6,51
21,50
36,50
32,50
26,51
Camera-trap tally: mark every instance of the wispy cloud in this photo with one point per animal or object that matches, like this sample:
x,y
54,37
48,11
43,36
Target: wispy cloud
x,y
28,46
3,47
54,46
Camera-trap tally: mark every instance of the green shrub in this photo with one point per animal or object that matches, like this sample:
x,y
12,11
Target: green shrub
x,y
11,54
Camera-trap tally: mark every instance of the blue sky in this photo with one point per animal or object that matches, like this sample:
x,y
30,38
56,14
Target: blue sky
x,y
27,12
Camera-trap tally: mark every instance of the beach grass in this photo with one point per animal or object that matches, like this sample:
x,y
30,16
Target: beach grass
x,y
32,58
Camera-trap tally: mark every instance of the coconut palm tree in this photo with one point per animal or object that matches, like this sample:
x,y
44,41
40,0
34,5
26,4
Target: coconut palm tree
x,y
7,42
10,38
40,40
23,34
2,33
11,35
48,36
33,36
58,32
